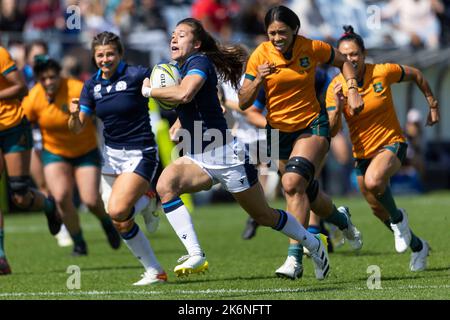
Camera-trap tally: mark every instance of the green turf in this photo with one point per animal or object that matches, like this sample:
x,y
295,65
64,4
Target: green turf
x,y
238,269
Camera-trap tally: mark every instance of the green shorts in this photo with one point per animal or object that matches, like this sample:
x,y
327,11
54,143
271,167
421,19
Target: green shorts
x,y
17,139
319,127
92,158
398,148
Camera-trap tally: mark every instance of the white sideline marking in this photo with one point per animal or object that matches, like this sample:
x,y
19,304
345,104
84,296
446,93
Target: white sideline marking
x,y
194,292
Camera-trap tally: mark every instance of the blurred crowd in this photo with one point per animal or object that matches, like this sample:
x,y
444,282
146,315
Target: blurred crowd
x,y
66,23
64,29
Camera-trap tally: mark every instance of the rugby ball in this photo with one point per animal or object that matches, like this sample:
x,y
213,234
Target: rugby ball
x,y
165,75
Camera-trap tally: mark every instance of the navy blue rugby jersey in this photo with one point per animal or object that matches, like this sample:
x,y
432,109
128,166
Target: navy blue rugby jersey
x,y
118,102
205,107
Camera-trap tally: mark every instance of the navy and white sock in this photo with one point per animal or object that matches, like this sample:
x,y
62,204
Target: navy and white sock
x,y
180,220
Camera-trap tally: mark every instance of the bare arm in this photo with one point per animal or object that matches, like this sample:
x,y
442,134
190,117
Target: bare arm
x,y
413,74
17,88
255,117
249,90
335,114
77,119
355,101
182,93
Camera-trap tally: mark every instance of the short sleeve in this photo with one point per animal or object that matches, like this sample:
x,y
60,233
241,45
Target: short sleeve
x,y
323,52
28,107
87,103
199,65
7,64
393,72
252,66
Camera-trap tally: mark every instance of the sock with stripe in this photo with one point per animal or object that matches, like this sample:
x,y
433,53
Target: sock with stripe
x,y
388,202
337,218
313,229
289,226
140,246
296,250
180,220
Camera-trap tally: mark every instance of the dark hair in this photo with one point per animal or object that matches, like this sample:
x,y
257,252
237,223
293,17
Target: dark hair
x,y
44,63
350,35
106,38
282,14
228,60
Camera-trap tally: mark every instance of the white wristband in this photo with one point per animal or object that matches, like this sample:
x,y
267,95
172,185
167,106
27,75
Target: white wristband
x,y
147,92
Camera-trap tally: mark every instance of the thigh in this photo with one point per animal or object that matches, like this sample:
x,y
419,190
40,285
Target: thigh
x,y
88,182
60,181
186,176
127,189
18,163
383,166
312,147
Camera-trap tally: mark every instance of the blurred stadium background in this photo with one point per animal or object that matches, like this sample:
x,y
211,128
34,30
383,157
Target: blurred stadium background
x,y
409,32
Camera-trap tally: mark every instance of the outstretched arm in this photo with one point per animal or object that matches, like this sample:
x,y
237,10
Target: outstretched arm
x,y
335,112
355,102
413,74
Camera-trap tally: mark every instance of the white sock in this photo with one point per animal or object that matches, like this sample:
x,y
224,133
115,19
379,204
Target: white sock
x,y
181,222
293,229
140,246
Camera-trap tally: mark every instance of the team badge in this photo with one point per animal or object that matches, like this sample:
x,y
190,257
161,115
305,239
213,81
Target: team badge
x,y
97,88
121,86
108,88
378,87
304,62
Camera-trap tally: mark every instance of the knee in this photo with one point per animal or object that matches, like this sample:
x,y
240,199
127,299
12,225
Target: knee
x,y
299,174
92,203
21,193
374,185
293,184
167,189
118,211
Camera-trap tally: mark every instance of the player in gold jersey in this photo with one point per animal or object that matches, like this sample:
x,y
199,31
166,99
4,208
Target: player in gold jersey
x,y
285,67
69,159
15,150
379,145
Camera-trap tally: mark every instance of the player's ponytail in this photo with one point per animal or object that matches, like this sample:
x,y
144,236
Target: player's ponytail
x,y
228,60
350,35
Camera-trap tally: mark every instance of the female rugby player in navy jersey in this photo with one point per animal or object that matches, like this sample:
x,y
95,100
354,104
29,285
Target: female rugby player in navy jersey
x,y
130,153
198,56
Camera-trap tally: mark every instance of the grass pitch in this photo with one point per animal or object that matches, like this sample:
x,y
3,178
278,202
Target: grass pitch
x,y
238,269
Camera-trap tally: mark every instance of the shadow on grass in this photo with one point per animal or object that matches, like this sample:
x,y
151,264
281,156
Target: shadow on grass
x,y
361,253
439,269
